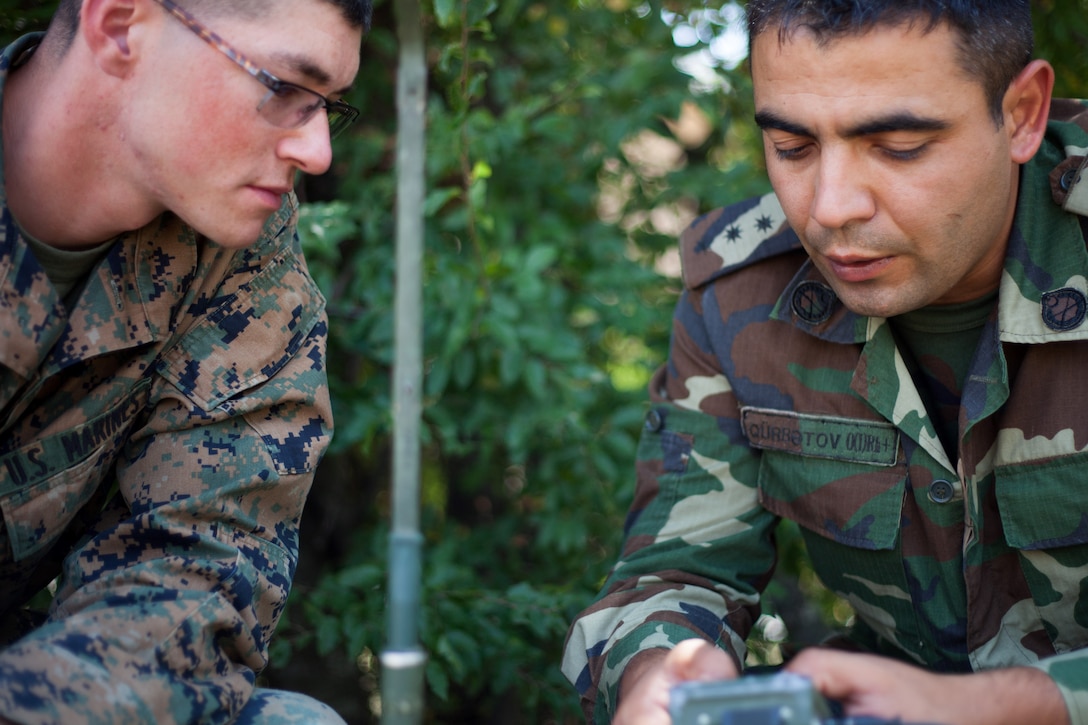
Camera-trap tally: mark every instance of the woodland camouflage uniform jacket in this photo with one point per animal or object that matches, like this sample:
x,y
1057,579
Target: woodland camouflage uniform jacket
x,y
157,441
776,401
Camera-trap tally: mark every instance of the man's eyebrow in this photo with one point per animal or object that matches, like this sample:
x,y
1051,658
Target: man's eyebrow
x,y
307,68
898,121
901,121
769,120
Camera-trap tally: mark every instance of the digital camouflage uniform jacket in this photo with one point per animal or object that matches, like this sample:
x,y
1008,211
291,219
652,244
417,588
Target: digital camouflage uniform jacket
x,y
776,401
157,442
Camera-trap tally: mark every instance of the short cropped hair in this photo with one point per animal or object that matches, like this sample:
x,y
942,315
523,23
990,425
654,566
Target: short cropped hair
x,y
65,21
995,39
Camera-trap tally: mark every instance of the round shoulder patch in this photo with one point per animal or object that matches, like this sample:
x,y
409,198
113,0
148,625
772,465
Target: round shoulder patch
x,y
1064,309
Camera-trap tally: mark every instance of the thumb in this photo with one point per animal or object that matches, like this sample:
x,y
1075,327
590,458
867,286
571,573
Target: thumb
x,y
696,659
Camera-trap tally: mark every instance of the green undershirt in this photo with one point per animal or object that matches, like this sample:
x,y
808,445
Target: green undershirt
x,y
66,268
939,342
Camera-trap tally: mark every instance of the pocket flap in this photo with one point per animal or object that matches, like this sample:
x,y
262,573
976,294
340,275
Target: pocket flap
x,y
1044,505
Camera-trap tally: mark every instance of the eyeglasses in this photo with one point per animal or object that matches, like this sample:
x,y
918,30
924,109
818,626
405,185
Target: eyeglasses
x,y
286,105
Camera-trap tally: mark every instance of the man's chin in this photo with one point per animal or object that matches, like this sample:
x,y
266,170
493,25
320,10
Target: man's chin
x,y
874,305
236,236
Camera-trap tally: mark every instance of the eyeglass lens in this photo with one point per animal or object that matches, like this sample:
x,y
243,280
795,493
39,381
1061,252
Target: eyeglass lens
x,y
290,106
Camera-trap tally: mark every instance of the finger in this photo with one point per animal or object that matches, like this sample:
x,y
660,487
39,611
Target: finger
x,y
829,671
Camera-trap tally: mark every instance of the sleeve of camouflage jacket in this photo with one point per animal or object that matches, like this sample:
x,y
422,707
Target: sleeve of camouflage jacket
x,y
166,608
695,508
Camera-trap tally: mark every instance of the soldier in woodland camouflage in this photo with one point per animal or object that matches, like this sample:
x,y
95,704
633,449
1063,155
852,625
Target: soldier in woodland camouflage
x,y
163,395
890,350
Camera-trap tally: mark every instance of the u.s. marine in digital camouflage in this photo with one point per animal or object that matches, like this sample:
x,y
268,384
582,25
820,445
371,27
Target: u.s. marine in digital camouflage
x,y
159,431
777,401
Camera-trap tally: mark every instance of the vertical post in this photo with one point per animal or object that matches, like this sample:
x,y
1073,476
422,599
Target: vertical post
x,y
403,660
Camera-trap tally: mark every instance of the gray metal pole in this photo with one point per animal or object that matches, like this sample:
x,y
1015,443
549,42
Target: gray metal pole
x,y
403,660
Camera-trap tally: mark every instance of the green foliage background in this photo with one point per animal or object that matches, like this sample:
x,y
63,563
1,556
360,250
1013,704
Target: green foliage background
x,y
566,147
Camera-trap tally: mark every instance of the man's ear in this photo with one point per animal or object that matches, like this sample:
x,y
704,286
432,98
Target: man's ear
x,y
106,26
1027,108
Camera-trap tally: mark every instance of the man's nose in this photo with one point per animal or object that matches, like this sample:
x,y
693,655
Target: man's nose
x,y
309,147
842,194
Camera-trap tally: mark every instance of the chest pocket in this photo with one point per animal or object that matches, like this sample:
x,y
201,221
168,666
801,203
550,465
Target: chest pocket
x,y
44,484
842,479
844,482
1044,514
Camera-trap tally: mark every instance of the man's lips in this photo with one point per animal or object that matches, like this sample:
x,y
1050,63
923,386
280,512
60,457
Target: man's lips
x,y
271,195
855,268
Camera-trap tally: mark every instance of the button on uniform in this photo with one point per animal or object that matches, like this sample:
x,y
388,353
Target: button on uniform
x,y
1068,179
941,491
